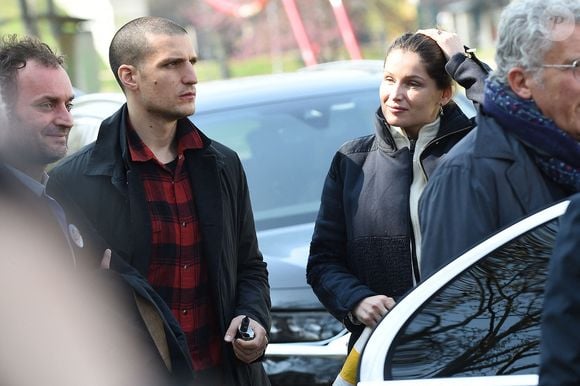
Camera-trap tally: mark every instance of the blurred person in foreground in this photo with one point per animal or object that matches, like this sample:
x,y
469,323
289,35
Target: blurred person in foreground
x,y
560,344
64,317
175,204
524,154
364,251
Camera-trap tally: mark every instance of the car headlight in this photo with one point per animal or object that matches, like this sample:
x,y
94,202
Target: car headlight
x,y
303,327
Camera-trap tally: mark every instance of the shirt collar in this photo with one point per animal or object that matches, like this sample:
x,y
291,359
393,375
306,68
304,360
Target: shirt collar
x,y
186,135
38,188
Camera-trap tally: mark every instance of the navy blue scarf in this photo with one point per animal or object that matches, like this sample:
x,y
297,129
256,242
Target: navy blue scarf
x,y
556,153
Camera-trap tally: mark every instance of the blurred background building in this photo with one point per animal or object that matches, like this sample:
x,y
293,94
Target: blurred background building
x,y
245,37
474,20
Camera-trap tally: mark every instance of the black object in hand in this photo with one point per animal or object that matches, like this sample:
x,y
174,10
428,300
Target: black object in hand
x,y
245,332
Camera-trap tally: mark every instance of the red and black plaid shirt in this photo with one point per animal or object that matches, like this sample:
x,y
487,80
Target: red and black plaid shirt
x,y
178,270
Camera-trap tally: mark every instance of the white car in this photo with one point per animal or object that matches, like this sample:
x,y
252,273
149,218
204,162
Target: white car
x,y
474,322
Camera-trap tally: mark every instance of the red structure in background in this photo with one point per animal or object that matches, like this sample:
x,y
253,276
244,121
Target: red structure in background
x,y
346,29
251,8
299,32
234,8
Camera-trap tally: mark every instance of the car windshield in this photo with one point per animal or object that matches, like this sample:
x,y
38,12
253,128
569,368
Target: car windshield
x,y
286,148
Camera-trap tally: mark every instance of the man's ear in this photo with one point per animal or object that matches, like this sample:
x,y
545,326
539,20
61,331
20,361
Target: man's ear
x,y
519,82
127,74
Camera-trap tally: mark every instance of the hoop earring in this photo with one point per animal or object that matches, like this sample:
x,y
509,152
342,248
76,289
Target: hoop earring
x,y
440,110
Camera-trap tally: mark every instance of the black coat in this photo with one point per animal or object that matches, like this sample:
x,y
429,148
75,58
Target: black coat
x,y
361,244
362,239
487,182
560,345
86,251
99,180
20,199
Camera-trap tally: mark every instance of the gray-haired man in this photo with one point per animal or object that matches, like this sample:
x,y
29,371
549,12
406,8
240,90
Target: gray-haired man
x,y
525,153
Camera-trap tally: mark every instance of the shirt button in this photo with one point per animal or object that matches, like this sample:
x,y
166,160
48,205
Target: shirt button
x,y
184,312
180,156
185,266
184,224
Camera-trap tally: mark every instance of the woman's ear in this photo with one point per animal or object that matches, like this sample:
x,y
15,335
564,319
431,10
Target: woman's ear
x,y
519,82
446,96
128,74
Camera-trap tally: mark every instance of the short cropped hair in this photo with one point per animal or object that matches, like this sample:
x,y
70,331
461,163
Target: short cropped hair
x,y
130,45
3,116
524,33
15,52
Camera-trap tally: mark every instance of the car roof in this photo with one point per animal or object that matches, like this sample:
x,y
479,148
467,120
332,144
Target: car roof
x,y
369,65
240,92
224,94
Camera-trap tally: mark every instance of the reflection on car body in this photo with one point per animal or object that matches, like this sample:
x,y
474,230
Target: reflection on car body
x,y
479,316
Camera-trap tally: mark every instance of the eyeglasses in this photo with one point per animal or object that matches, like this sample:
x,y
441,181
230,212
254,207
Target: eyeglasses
x,y
574,66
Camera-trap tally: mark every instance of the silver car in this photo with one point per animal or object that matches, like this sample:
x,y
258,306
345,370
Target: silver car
x,y
286,129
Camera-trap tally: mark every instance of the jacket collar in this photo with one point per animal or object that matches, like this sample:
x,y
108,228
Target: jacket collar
x,y
110,155
111,145
452,120
525,180
490,132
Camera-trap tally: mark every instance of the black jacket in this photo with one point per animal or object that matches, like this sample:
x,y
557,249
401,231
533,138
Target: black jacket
x,y
86,251
99,180
560,344
362,239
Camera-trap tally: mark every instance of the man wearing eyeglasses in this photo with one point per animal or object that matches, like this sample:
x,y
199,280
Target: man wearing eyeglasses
x,y
525,152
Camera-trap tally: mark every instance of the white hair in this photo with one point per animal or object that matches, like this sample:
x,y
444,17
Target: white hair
x,y
527,30
3,117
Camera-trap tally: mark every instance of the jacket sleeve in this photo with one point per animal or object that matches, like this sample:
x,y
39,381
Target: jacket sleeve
x,y
253,290
327,271
470,73
455,211
560,344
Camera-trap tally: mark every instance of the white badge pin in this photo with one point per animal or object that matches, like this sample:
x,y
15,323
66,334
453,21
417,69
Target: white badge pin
x,y
75,235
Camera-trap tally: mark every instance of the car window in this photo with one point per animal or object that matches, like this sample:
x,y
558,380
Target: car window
x,y
88,112
286,148
485,321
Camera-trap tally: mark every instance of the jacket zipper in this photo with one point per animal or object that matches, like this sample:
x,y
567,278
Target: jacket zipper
x,y
435,140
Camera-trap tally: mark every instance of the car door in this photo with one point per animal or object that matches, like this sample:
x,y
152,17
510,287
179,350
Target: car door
x,y
479,316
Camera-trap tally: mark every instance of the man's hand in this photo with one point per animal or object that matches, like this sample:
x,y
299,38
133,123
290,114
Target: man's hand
x,y
247,350
371,310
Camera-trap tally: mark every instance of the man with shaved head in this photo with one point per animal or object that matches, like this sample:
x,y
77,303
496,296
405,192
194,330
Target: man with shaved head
x,y
175,204
110,321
